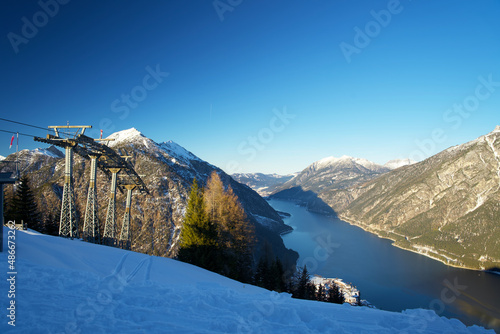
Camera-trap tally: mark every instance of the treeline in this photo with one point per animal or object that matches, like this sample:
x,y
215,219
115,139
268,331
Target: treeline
x,y
20,206
271,276
216,233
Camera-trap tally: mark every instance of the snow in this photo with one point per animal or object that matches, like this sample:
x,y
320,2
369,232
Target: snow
x,y
331,161
175,150
69,286
396,163
125,136
2,157
48,152
265,221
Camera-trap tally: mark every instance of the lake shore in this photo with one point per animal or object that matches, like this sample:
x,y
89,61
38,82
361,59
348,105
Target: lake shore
x,y
410,249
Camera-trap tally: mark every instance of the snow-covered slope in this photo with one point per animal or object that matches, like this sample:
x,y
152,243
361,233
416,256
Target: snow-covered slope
x,y
69,286
133,137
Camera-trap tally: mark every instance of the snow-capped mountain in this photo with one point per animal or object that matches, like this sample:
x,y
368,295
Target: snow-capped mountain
x,y
263,184
168,171
32,160
332,162
1,157
327,175
71,286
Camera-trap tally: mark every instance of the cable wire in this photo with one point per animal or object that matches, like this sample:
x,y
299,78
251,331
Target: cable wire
x,y
25,124
15,132
36,127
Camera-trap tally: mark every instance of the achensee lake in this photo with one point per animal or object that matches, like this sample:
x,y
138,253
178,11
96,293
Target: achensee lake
x,y
388,277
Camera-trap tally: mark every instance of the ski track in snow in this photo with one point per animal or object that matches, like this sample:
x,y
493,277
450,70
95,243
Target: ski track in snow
x,y
69,286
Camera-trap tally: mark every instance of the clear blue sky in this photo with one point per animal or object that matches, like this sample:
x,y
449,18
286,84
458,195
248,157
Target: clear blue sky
x,y
354,85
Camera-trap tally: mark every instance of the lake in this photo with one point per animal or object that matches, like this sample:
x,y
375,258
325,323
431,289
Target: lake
x,y
388,277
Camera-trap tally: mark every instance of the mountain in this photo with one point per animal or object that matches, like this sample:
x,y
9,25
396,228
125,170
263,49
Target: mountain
x,y
31,160
2,157
447,206
263,184
72,286
325,176
168,171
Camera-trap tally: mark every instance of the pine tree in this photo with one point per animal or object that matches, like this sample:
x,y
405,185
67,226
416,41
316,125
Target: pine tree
x,y
262,273
301,289
335,295
310,291
278,276
51,225
23,207
320,294
199,236
235,234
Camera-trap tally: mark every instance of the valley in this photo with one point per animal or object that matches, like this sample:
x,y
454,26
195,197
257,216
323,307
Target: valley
x,y
445,207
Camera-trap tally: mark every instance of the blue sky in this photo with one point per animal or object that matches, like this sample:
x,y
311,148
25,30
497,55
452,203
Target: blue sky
x,y
257,86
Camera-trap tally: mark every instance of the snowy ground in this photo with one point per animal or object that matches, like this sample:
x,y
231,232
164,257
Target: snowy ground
x,y
69,286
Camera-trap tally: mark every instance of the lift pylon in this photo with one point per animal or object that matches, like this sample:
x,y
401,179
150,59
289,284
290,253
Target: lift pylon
x,y
109,237
91,224
125,233
68,224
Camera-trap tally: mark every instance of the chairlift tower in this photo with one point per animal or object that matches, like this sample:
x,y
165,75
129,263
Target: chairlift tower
x,y
109,237
68,224
91,224
125,233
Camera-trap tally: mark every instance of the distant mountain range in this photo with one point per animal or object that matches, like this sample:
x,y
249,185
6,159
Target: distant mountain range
x,y
168,171
446,207
331,175
263,184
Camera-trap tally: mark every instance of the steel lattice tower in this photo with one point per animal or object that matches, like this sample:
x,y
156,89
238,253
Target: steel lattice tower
x,y
68,225
91,224
125,233
110,234
110,162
